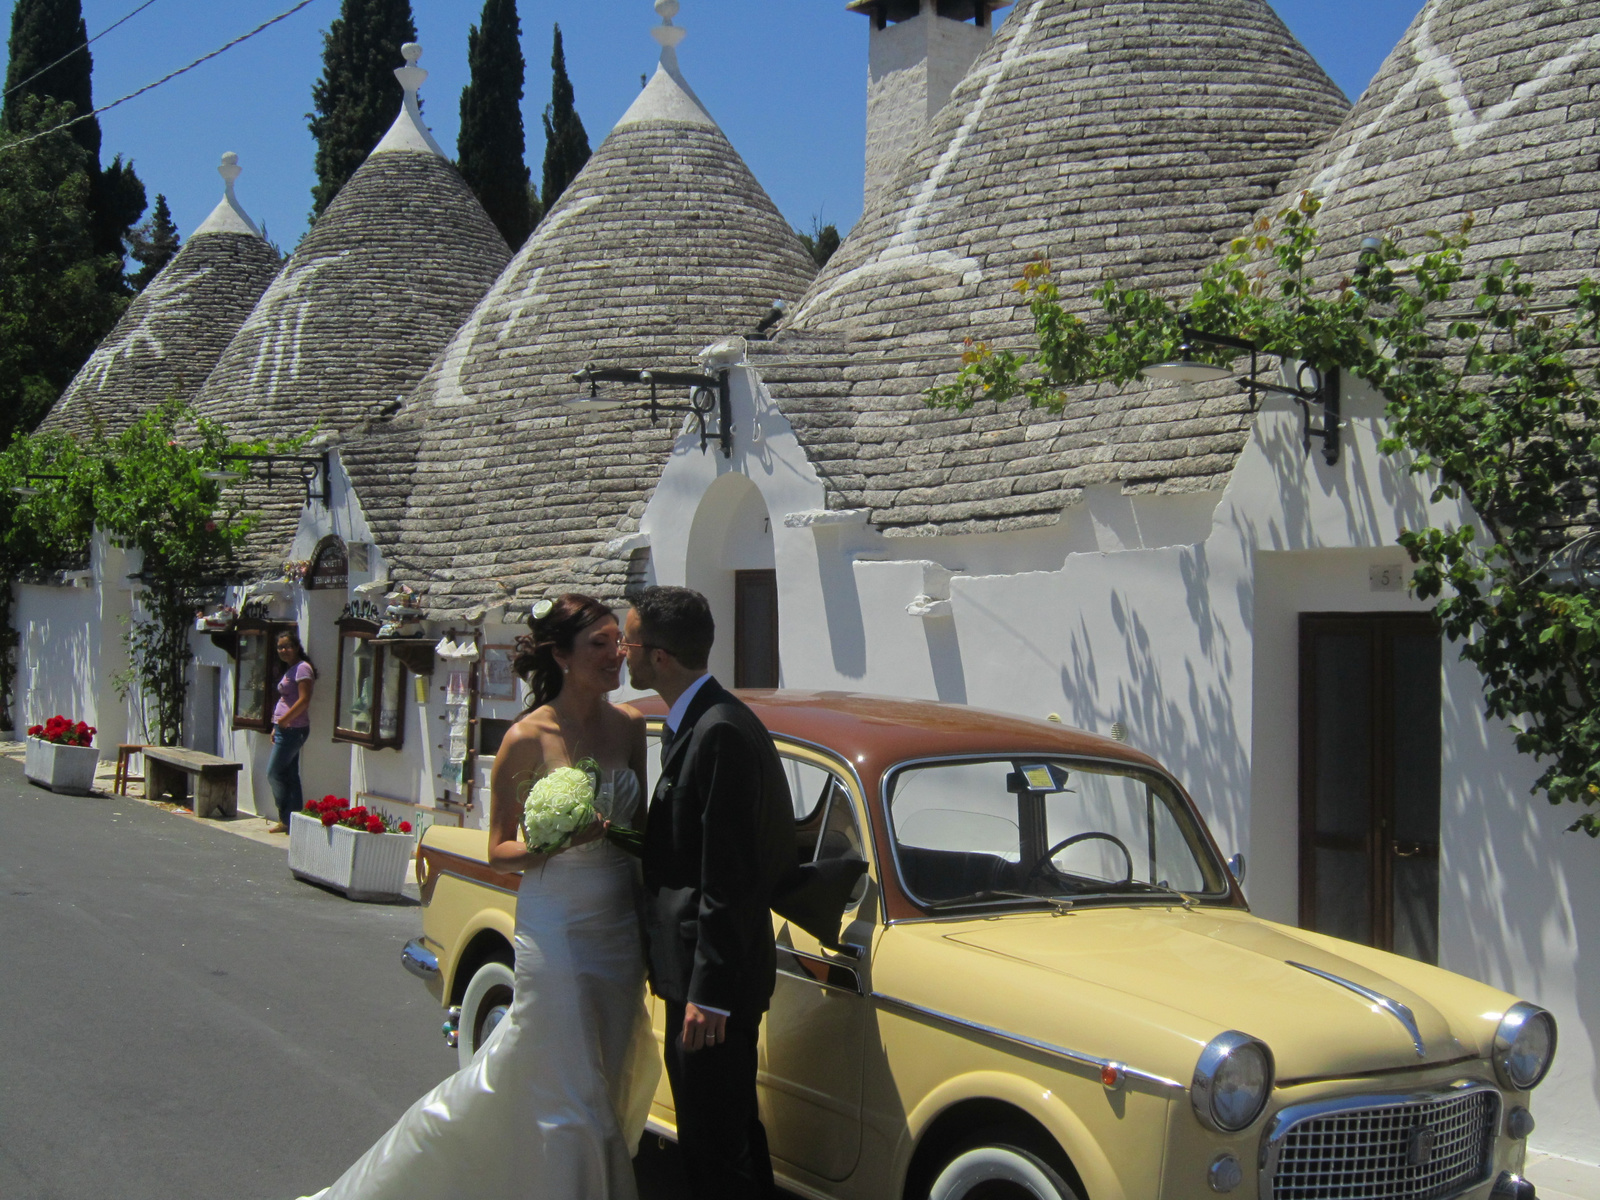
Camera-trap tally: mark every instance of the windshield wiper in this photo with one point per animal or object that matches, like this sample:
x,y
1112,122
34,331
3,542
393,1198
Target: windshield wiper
x,y
1126,885
1059,903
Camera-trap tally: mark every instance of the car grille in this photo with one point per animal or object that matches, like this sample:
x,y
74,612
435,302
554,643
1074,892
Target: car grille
x,y
1407,1151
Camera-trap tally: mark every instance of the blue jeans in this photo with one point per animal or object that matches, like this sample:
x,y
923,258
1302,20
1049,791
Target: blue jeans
x,y
283,769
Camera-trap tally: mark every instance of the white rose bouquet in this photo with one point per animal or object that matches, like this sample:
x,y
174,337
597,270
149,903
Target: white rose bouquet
x,y
557,807
562,804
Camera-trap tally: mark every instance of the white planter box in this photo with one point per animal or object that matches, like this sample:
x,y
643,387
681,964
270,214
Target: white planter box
x,y
68,769
364,866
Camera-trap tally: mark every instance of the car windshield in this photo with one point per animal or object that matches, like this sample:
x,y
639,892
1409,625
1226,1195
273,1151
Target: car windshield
x,y
1024,831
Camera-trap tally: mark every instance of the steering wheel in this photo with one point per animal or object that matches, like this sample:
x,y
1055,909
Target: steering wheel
x,y
1044,859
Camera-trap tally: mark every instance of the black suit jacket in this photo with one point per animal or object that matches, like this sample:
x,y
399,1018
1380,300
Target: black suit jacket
x,y
720,838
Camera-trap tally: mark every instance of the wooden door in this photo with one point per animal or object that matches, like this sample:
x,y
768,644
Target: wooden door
x,y
1369,779
755,629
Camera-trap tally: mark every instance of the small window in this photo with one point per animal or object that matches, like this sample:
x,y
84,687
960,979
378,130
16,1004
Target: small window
x,y
825,817
370,706
256,674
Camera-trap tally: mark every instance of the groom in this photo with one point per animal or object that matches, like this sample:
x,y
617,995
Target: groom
x,y
720,837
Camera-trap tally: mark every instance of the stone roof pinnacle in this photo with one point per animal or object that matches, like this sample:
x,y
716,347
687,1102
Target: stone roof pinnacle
x,y
668,96
228,216
408,132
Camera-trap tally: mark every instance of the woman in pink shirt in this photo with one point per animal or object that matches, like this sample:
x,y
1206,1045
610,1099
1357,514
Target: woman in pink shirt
x,y
291,726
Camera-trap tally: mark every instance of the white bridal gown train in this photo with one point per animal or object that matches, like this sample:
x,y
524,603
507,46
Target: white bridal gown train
x,y
554,1103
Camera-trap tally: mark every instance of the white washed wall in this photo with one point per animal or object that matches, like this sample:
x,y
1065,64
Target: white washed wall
x,y
1178,616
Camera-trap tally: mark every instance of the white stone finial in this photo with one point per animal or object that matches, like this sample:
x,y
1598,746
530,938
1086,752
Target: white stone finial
x,y
408,132
229,216
667,34
668,96
411,76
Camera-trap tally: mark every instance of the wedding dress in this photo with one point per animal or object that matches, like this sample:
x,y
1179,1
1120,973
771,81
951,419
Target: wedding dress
x,y
554,1103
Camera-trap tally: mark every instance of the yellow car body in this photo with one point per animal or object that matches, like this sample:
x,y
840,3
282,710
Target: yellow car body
x,y
1066,1032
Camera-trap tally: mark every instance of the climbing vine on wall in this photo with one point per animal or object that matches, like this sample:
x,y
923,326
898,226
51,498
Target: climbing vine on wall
x,y
146,490
1491,395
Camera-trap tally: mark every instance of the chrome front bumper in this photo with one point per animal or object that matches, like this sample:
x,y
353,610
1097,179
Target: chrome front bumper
x,y
419,960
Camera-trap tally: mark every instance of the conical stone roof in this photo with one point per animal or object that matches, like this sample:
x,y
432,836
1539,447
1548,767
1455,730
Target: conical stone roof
x,y
1488,108
387,274
662,244
174,331
1129,138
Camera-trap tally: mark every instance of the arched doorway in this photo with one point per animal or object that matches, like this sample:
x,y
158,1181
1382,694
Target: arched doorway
x,y
731,563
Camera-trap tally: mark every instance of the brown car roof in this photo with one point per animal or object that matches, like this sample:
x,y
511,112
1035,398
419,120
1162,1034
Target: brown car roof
x,y
884,730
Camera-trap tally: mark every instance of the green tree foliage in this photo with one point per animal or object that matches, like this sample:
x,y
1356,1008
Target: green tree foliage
x,y
50,60
820,243
566,145
357,98
54,305
490,146
146,490
153,245
1492,397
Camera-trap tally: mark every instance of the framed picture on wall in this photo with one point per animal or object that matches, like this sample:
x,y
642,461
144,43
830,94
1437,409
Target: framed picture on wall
x,y
499,681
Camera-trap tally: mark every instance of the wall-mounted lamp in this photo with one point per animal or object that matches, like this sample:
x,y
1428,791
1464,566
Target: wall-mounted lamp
x,y
1312,385
313,469
22,489
708,395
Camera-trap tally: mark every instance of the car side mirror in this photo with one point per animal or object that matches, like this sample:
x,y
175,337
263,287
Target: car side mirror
x,y
1236,866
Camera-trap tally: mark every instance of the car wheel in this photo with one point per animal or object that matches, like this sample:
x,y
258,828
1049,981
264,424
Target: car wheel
x,y
997,1170
485,1005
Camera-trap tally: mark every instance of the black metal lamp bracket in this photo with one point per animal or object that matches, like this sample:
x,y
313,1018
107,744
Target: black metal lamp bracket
x,y
1312,386
315,471
709,394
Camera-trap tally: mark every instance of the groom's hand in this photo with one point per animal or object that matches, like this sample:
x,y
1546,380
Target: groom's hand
x,y
702,1028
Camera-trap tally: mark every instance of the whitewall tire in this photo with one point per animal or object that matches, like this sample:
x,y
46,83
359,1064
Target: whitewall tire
x,y
997,1171
485,1005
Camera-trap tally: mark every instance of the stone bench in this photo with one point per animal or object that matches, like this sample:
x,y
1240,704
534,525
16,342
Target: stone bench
x,y
168,769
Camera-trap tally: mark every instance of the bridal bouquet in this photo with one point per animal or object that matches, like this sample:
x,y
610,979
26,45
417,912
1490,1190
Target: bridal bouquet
x,y
562,804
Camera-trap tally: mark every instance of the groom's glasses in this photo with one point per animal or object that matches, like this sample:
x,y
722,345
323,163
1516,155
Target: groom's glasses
x,y
626,646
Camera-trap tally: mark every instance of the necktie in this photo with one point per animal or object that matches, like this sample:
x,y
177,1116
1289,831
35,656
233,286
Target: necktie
x,y
667,734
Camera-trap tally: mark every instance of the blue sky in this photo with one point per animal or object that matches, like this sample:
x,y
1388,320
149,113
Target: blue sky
x,y
785,78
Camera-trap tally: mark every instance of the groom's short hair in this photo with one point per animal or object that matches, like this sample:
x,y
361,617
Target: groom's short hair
x,y
679,621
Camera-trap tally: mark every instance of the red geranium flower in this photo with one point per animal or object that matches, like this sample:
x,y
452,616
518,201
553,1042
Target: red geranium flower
x,y
375,825
329,819
405,826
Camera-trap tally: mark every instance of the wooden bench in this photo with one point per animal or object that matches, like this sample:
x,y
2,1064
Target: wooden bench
x,y
168,769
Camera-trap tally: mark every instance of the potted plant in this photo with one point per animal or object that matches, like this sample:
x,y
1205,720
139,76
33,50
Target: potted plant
x,y
61,756
356,850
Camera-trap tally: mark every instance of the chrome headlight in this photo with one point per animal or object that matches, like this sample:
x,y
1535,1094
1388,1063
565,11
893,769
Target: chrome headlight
x,y
1524,1046
1232,1081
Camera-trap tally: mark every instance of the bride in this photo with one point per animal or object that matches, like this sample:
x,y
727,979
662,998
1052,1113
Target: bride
x,y
554,1103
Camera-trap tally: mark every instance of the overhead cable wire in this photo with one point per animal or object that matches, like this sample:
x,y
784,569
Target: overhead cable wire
x,y
76,49
243,37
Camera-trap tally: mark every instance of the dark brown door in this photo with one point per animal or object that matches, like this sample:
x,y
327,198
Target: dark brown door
x,y
755,629
1369,779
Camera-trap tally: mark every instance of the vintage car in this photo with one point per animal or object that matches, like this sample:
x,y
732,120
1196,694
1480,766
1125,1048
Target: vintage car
x,y
1049,985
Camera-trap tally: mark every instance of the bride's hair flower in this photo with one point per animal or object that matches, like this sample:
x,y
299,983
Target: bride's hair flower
x,y
542,609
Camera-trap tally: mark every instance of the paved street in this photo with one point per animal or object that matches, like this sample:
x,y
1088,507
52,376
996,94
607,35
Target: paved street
x,y
186,1019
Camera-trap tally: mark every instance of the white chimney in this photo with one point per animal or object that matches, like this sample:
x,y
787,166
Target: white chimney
x,y
918,52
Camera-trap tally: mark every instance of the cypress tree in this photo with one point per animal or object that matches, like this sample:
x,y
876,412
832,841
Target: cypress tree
x,y
357,98
153,245
43,31
54,304
491,145
566,145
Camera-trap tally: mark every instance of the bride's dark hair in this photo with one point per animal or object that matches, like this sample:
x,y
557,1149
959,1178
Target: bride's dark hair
x,y
558,629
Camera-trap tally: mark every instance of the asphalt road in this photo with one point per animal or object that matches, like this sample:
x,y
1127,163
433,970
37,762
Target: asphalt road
x,y
186,1020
